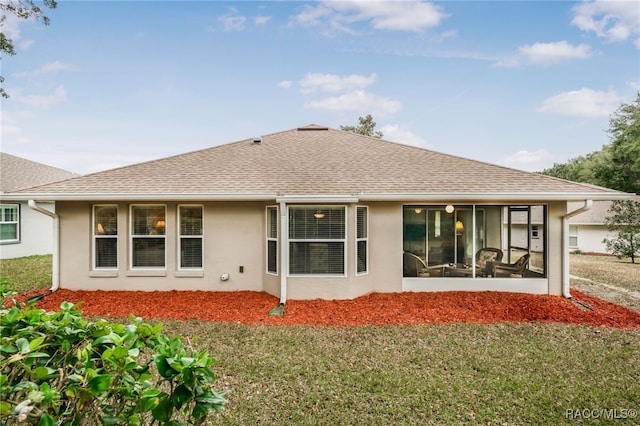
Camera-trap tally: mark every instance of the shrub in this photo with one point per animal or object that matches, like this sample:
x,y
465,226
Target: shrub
x,y
60,368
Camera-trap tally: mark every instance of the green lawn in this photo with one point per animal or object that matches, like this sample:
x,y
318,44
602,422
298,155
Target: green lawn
x,y
504,374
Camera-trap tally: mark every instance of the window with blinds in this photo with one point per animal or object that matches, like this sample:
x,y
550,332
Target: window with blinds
x,y
148,236
272,240
190,237
9,223
105,237
317,240
362,239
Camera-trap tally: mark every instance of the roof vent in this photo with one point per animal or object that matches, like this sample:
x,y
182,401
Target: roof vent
x,y
257,140
312,127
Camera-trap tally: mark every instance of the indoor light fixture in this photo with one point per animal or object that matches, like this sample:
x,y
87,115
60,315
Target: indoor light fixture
x,y
160,224
449,208
459,227
318,214
418,211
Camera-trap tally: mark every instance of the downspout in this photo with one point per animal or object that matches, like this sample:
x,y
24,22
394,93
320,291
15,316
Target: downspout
x,y
284,251
55,273
565,246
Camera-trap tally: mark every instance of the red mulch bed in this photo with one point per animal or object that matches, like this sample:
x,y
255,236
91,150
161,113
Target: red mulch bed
x,y
250,307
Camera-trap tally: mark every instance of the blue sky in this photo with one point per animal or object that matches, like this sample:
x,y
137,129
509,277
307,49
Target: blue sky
x,y
515,83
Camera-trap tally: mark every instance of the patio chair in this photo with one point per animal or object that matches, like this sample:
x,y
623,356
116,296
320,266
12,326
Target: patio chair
x,y
412,265
484,258
512,269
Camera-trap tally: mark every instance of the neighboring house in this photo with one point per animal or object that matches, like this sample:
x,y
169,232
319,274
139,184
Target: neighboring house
x,y
587,230
308,213
23,231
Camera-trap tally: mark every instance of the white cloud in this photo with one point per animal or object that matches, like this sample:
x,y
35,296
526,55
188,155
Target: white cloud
x,y
285,84
545,54
45,69
334,83
358,101
232,23
550,53
612,20
394,132
261,20
412,16
42,101
584,102
529,160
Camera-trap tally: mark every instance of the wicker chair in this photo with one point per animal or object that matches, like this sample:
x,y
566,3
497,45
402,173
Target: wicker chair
x,y
512,269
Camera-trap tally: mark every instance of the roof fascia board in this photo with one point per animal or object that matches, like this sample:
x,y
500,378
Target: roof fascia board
x,y
502,196
323,199
140,197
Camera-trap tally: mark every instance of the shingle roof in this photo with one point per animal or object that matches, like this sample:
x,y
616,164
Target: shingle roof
x,y
313,160
595,215
18,173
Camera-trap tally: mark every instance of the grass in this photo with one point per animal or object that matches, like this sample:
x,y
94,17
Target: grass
x,y
27,273
509,374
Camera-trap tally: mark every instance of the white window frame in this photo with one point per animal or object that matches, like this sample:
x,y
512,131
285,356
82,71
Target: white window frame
x,y
180,237
359,239
319,240
11,222
97,235
132,237
271,239
573,235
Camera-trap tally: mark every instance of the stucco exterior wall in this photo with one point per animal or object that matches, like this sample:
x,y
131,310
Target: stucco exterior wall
x,y
233,237
36,233
590,238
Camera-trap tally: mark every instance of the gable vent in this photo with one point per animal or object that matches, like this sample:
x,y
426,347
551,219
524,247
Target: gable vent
x,y
312,127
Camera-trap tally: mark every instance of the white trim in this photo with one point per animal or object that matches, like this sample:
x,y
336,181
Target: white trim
x,y
179,237
566,278
514,285
133,271
95,235
357,240
492,197
17,222
55,272
268,239
284,250
408,197
317,199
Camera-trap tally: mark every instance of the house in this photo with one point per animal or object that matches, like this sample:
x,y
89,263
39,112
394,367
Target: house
x,y
311,212
23,231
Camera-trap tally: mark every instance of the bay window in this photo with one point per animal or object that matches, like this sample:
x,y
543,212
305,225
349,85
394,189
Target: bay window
x,y
317,240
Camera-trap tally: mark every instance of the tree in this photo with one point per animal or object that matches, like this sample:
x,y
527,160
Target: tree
x,y
624,221
22,9
367,127
617,165
620,168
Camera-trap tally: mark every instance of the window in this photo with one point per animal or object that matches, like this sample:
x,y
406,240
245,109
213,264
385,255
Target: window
x,y
573,236
317,240
148,240
362,240
272,240
9,223
105,237
190,237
